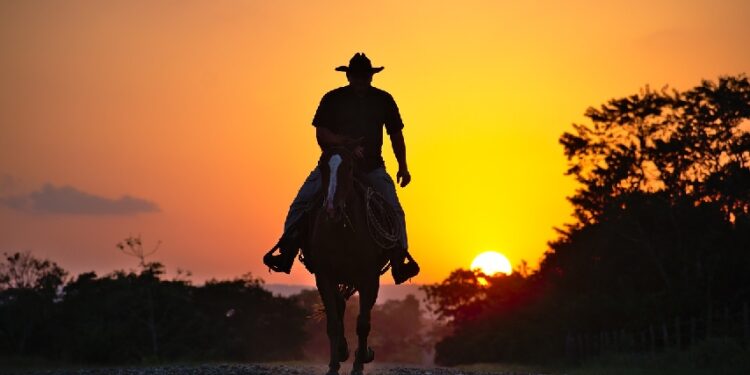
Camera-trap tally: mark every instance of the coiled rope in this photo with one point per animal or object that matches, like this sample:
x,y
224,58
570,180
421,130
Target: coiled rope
x,y
382,220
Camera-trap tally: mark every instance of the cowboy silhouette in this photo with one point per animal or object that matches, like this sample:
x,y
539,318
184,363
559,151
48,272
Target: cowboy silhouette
x,y
354,116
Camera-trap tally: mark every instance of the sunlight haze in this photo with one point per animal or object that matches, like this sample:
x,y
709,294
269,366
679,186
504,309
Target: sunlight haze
x,y
200,113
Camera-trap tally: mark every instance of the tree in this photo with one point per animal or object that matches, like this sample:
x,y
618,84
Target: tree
x,y
23,271
657,165
662,230
108,319
400,326
246,322
29,288
690,145
150,272
458,298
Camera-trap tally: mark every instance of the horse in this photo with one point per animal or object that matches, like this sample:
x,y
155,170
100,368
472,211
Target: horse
x,y
344,257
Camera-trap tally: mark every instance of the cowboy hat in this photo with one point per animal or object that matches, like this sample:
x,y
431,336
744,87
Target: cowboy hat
x,y
359,63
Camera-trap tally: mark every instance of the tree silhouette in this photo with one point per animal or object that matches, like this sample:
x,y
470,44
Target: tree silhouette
x,y
690,146
23,271
133,246
662,230
667,175
29,288
106,319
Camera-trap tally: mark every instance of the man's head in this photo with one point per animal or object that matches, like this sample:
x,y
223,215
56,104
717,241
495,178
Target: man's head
x,y
359,80
360,71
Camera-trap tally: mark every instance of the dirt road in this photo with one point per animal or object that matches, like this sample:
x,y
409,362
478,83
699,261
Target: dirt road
x,y
255,369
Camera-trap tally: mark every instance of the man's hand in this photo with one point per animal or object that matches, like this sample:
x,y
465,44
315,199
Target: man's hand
x,y
356,146
326,138
403,177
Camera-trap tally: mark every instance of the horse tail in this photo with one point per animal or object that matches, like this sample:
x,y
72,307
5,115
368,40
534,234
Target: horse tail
x,y
319,311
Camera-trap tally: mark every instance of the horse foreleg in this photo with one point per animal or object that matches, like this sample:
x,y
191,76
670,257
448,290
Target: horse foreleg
x,y
334,325
367,296
343,347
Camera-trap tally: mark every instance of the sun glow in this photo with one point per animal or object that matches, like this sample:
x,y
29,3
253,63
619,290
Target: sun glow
x,y
491,263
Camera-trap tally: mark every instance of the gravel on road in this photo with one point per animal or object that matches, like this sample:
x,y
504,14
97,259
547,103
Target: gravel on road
x,y
255,369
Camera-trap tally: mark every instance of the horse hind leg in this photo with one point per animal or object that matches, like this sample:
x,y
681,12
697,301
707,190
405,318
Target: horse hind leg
x,y
334,321
364,354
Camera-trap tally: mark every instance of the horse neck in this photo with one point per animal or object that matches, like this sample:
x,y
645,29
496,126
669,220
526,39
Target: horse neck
x,y
355,203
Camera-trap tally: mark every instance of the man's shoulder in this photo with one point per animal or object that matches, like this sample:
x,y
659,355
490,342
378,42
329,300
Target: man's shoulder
x,y
346,90
382,93
336,92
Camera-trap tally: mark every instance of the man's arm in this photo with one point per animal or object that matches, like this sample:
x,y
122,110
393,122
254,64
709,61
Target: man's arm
x,y
403,177
327,138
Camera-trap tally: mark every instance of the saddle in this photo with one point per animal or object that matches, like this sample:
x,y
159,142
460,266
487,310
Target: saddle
x,y
382,223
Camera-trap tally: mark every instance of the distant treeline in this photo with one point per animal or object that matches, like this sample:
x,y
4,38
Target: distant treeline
x,y
128,317
140,316
662,234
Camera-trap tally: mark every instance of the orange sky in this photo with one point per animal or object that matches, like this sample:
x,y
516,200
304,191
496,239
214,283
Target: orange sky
x,y
204,109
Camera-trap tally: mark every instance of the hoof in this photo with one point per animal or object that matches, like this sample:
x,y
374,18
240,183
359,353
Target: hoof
x,y
343,352
333,369
368,357
357,372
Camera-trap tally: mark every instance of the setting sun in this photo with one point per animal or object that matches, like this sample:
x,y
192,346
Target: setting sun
x,y
491,263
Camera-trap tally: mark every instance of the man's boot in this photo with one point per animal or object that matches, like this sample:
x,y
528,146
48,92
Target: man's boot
x,y
288,249
403,266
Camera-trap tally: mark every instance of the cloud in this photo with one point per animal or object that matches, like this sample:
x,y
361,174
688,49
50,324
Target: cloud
x,y
69,200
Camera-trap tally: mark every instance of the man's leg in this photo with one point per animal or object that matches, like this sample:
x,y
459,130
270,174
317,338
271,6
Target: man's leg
x,y
306,193
383,184
289,243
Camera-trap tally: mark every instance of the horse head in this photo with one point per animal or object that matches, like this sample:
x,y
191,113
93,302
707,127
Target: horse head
x,y
337,169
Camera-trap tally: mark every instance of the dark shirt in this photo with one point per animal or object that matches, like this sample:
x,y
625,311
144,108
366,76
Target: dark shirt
x,y
344,112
